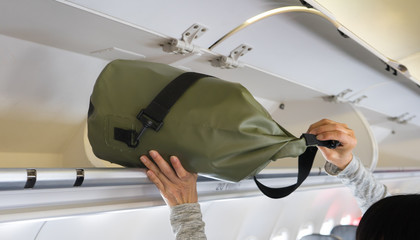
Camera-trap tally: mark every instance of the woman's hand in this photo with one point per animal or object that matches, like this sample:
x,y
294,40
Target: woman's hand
x,y
329,130
177,187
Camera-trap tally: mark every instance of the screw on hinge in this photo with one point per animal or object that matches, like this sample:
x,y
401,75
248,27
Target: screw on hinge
x,y
282,106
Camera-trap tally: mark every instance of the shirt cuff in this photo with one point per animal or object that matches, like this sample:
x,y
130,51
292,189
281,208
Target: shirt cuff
x,y
333,170
186,207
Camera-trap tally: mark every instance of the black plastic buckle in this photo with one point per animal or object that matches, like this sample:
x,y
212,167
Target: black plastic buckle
x,y
312,141
149,122
131,137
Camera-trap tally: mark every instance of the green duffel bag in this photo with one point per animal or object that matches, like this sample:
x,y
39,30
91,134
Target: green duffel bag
x,y
215,127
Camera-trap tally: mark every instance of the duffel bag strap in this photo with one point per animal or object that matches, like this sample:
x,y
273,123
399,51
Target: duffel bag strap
x,y
306,161
152,116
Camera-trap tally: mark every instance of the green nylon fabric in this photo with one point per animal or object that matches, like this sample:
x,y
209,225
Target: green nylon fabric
x,y
216,128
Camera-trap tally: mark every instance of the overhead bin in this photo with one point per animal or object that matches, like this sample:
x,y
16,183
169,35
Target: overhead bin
x,y
300,68
296,58
296,116
301,47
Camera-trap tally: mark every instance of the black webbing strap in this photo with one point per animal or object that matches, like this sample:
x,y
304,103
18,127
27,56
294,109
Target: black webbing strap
x,y
152,116
305,163
161,104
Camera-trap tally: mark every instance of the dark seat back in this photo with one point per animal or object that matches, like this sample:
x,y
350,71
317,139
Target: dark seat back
x,y
317,236
345,232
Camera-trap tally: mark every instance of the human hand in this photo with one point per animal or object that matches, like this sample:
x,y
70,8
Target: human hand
x,y
177,187
329,130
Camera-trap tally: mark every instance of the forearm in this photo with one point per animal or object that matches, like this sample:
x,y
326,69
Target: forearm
x,y
187,223
366,189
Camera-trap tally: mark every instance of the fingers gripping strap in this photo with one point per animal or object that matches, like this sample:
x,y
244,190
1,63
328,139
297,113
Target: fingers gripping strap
x,y
305,164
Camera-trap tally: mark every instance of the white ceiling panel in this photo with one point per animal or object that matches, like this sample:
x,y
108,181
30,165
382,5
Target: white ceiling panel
x,y
389,28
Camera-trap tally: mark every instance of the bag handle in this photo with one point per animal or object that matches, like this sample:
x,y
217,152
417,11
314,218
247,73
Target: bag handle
x,y
306,161
152,116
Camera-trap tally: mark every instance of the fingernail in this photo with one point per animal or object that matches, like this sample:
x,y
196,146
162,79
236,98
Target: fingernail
x,y
143,159
153,153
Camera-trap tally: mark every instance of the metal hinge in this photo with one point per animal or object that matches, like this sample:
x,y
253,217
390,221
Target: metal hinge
x,y
231,61
402,119
358,100
184,45
339,98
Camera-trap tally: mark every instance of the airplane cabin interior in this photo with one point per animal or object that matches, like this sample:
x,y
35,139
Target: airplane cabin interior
x,y
355,62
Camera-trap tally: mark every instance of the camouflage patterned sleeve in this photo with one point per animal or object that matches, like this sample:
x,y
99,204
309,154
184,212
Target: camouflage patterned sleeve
x,y
187,223
366,189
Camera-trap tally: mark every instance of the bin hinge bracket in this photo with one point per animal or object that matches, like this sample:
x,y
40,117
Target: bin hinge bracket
x,y
339,97
232,60
402,119
184,45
